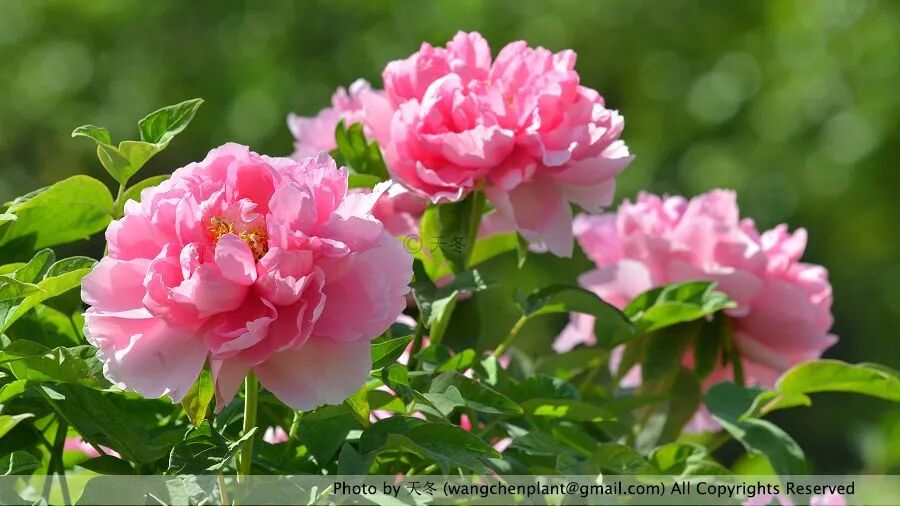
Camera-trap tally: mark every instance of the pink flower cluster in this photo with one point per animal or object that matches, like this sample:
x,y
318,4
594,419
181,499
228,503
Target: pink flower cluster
x,y
783,305
521,127
248,263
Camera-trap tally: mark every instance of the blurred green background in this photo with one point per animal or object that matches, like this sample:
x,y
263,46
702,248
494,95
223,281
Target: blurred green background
x,y
793,103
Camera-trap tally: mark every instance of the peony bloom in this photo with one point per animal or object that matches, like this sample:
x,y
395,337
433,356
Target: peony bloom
x,y
249,263
398,209
783,311
519,126
316,134
830,499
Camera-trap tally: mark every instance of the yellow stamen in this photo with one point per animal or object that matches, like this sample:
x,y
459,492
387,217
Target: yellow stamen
x,y
255,237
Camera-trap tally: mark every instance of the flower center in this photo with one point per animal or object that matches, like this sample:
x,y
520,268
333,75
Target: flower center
x,y
255,237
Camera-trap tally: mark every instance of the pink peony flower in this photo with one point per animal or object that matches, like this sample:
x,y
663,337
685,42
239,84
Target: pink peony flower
x,y
783,311
76,444
783,500
248,262
313,135
829,499
520,126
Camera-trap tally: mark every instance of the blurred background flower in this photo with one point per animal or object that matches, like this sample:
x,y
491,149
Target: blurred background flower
x,y
791,103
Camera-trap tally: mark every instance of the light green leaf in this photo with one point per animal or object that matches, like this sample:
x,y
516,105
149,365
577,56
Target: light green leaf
x,y
12,389
11,288
60,277
160,126
97,134
33,362
72,209
567,409
8,422
359,405
827,376
196,401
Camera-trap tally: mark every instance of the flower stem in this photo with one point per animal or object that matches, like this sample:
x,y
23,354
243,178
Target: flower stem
x,y
292,436
474,223
416,344
58,446
223,490
513,332
251,397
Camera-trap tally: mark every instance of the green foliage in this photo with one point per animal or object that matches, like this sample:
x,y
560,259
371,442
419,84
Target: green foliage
x,y
203,450
356,153
157,130
197,400
827,376
69,210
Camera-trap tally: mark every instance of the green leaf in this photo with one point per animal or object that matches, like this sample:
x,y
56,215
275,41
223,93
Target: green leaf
x,y
362,180
572,363
134,192
792,387
18,462
160,126
351,463
567,409
203,451
675,303
684,459
11,288
59,278
325,430
437,304
196,401
356,153
114,420
33,362
708,345
458,229
358,403
8,422
447,445
491,246
136,154
474,395
11,390
107,464
97,134
386,350
728,402
72,209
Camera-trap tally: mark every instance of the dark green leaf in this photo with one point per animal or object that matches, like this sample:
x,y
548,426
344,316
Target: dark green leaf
x,y
107,464
386,350
567,409
8,422
18,462
447,445
350,462
325,430
456,237
728,402
474,395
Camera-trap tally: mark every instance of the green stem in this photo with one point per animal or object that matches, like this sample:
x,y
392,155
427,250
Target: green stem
x,y
417,344
292,437
474,223
513,332
251,398
117,207
56,458
223,490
